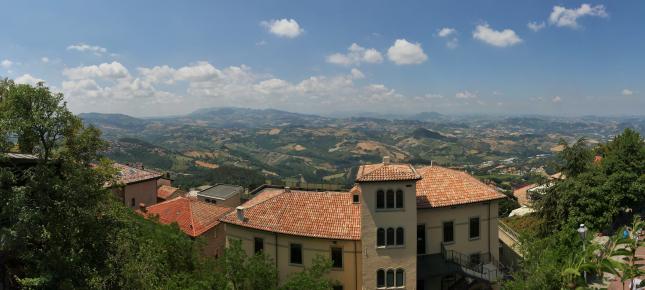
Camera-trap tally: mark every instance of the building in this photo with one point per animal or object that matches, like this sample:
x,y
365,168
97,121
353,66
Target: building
x,y
222,194
136,186
195,218
400,227
167,192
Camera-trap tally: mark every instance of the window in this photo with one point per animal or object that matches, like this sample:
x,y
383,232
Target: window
x,y
380,199
399,236
258,245
448,232
473,228
337,287
390,199
296,254
380,237
355,199
399,278
380,278
337,258
390,237
399,199
390,278
132,202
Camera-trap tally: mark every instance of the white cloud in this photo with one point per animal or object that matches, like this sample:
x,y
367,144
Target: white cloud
x,y
535,26
6,63
44,59
446,31
288,28
28,79
113,70
556,99
506,37
466,95
83,47
404,52
355,55
627,92
564,17
357,74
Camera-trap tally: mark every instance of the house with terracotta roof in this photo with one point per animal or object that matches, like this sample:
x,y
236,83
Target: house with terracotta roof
x,y
399,227
195,218
167,192
136,186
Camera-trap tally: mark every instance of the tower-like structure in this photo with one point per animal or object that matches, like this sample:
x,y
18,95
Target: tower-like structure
x,y
388,224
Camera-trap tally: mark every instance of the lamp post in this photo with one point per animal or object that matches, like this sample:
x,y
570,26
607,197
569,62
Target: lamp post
x,y
582,230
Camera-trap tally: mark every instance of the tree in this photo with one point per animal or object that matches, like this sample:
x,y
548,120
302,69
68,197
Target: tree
x,y
312,278
60,228
244,273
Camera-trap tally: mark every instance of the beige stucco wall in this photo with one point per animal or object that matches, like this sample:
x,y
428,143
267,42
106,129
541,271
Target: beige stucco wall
x,y
349,276
232,201
371,219
142,192
460,215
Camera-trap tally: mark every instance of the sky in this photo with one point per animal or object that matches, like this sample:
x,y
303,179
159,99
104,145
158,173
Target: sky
x,y
158,58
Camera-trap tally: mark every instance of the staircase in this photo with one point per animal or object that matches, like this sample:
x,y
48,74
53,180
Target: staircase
x,y
484,266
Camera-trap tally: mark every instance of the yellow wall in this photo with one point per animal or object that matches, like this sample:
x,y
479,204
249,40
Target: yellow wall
x,y
388,258
348,276
460,215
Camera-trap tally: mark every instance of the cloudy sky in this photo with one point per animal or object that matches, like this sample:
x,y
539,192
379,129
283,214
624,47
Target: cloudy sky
x,y
151,58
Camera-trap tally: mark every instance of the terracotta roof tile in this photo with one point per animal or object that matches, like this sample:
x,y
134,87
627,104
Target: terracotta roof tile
x,y
386,172
330,215
166,191
128,174
194,217
447,187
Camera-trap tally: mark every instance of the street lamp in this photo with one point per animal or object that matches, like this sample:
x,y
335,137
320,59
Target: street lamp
x,y
582,230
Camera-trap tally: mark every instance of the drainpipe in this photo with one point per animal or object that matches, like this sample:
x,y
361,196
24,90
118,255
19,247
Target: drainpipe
x,y
489,250
355,266
275,234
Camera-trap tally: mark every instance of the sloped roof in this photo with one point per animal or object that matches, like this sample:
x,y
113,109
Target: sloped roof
x,y
128,174
329,215
194,217
221,191
441,187
386,172
166,191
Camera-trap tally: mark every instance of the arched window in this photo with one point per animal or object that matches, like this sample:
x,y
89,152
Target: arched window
x,y
399,199
380,237
389,281
380,278
380,199
399,278
390,199
399,236
390,236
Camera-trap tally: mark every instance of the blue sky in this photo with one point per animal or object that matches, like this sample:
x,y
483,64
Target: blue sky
x,y
148,58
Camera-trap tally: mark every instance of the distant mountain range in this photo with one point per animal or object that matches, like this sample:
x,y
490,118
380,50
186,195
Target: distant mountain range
x,y
280,144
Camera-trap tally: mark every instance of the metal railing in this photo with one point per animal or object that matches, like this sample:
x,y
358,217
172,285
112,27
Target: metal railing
x,y
474,265
509,231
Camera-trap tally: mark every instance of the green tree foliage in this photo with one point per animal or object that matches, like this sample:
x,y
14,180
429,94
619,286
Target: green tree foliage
x,y
603,193
60,228
247,273
313,278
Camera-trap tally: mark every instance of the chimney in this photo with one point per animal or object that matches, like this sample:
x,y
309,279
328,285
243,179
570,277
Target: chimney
x,y
142,207
287,189
386,160
240,213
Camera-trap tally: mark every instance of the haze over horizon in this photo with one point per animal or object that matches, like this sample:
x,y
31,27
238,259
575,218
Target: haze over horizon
x,y
155,59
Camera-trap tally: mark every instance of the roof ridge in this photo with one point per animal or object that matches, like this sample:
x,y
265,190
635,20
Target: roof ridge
x,y
263,201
